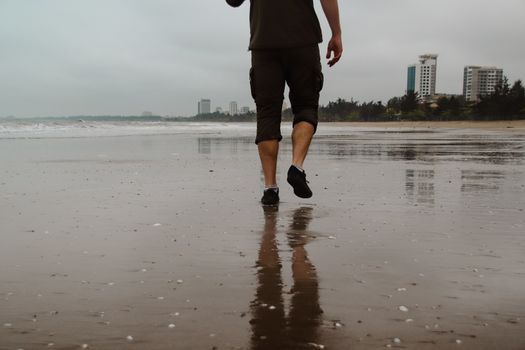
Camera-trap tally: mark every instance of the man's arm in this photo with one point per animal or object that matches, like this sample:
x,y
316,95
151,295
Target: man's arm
x,y
235,3
335,46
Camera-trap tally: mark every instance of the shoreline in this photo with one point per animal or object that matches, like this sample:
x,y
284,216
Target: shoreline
x,y
508,125
103,128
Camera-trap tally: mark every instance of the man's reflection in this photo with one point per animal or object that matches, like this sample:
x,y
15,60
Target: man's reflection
x,y
271,328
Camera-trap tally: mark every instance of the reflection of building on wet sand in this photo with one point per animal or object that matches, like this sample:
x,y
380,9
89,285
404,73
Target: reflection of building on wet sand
x,y
491,188
473,181
272,327
430,146
422,186
419,186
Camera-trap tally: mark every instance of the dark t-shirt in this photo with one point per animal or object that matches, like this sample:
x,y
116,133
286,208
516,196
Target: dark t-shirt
x,y
276,24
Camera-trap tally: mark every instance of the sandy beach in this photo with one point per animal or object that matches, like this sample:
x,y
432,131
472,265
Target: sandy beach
x,y
414,239
508,125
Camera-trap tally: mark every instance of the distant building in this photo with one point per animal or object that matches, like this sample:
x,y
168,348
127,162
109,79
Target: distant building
x,y
421,77
204,106
233,108
245,110
480,81
147,114
411,81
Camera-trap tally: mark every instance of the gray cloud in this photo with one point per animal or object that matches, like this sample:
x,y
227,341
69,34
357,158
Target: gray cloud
x,y
63,57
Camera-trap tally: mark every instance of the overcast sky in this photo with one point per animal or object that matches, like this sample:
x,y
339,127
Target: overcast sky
x,y
79,57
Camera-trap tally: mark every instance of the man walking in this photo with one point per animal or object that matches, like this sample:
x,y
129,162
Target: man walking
x,y
284,40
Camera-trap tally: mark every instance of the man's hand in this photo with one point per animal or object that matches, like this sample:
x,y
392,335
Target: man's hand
x,y
335,47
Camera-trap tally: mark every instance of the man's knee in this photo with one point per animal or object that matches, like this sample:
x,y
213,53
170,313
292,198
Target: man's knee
x,y
268,127
269,118
309,116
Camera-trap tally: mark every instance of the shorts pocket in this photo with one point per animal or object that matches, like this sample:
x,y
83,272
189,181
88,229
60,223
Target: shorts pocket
x,y
252,82
318,78
320,81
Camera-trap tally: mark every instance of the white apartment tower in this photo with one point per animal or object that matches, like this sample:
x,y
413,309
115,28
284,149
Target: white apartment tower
x,y
480,81
233,108
204,106
422,76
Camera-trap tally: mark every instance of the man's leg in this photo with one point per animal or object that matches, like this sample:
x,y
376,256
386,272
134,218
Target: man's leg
x,y
268,152
305,79
267,83
301,137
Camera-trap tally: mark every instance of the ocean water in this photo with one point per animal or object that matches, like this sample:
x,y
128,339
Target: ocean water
x,y
32,128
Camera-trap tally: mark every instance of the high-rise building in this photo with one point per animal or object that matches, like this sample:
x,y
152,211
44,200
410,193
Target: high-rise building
x,y
421,77
233,108
204,106
480,81
245,110
411,83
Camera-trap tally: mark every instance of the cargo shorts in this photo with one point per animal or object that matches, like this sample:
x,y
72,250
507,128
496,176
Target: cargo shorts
x,y
300,68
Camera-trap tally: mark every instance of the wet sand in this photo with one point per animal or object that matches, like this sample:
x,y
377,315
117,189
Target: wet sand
x,y
414,239
507,125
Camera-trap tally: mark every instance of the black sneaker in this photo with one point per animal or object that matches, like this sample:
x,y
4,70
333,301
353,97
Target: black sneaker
x,y
270,196
297,179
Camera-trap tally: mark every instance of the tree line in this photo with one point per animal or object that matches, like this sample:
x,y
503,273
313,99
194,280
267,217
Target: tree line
x,y
506,102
